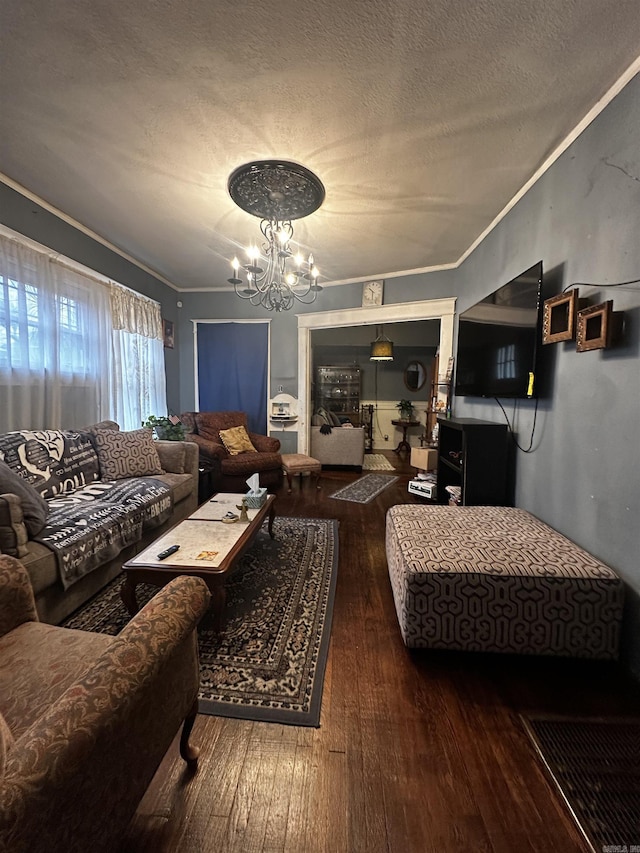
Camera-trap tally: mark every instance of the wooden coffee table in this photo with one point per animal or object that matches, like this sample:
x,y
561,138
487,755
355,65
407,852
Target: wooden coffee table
x,y
209,549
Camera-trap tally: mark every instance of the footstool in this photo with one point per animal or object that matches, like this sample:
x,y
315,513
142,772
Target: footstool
x,y
497,579
299,463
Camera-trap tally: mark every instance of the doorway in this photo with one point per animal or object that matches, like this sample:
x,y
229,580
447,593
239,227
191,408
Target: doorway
x,y
435,309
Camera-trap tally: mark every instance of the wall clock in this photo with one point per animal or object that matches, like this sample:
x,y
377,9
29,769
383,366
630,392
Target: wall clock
x,y
372,293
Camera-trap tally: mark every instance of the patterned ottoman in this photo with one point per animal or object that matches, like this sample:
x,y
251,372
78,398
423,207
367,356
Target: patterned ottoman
x,y
497,579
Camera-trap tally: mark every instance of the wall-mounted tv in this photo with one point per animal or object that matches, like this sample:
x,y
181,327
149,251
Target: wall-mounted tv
x,y
498,340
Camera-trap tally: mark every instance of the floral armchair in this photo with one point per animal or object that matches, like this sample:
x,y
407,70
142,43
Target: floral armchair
x,y
230,472
85,718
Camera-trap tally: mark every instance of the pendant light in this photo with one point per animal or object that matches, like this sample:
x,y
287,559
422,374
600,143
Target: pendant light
x,y
381,348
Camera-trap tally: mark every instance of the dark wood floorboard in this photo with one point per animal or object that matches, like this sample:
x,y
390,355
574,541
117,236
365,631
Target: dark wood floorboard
x,y
417,752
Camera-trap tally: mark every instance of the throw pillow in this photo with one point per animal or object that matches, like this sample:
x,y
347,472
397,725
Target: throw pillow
x,y
127,454
173,456
236,440
53,461
34,507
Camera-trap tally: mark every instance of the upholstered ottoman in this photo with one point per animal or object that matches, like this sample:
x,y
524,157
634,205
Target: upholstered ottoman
x,y
298,463
497,579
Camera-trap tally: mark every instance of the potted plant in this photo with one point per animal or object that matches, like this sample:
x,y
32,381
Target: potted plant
x,y
405,407
164,428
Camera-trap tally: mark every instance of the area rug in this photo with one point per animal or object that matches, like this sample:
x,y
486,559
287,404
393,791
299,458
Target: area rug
x,y
376,462
365,489
269,662
595,764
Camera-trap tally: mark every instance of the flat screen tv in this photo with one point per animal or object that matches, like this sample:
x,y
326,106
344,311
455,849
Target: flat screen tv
x,y
498,340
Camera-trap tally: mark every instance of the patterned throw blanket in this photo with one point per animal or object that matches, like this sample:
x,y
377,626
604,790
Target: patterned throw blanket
x,y
95,523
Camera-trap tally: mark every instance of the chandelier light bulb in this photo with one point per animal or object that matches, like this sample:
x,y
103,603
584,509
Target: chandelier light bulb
x,y
235,263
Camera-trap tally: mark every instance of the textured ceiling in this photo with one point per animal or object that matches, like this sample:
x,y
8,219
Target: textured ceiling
x,y
423,118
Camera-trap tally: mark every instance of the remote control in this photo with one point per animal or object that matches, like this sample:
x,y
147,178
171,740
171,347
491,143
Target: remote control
x,y
169,551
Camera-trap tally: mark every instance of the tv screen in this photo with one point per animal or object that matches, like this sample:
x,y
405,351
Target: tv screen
x,y
498,340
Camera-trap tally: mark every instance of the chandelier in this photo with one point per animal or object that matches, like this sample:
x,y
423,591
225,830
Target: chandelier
x,y
277,191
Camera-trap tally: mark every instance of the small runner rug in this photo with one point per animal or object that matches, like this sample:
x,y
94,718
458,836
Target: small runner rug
x,y
596,766
376,462
269,662
365,489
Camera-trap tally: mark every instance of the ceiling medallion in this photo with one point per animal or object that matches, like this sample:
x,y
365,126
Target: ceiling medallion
x,y
277,191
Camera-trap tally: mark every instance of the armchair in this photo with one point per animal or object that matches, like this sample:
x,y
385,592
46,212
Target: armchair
x,y
230,473
85,719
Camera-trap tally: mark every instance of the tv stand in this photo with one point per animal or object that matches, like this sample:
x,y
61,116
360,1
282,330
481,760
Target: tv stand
x,y
472,454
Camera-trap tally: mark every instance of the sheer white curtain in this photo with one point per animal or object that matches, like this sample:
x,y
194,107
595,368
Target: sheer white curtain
x,y
54,342
137,375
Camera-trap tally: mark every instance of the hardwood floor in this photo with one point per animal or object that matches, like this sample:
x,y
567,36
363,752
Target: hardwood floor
x,y
416,751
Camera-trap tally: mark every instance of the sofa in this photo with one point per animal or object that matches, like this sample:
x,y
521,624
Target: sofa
x,y
76,504
342,446
85,718
229,469
498,579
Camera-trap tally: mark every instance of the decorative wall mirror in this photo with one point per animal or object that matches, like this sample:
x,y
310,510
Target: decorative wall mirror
x,y
415,375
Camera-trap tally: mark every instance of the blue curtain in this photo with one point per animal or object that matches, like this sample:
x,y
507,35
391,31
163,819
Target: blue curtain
x,y
232,370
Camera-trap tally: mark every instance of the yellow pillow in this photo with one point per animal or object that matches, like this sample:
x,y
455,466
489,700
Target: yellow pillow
x,y
236,440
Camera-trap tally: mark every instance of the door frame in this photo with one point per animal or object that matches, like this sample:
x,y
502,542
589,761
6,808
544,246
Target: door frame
x,y
431,309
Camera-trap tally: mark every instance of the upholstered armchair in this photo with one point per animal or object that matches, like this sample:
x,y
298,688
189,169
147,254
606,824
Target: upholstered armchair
x,y
85,719
230,471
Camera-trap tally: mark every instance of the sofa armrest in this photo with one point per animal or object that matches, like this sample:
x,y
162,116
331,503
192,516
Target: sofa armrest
x,y
212,451
17,604
264,443
13,531
78,773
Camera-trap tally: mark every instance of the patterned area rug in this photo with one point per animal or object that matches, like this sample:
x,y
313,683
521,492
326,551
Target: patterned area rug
x,y
376,462
596,766
269,662
365,489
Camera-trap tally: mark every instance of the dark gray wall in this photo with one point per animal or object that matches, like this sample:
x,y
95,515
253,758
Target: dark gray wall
x,y
582,219
284,327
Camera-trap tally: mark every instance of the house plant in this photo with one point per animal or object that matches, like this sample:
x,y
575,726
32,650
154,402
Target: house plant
x,y
405,408
164,428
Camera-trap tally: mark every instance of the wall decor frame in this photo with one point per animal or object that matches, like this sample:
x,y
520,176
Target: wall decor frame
x,y
560,315
168,334
598,327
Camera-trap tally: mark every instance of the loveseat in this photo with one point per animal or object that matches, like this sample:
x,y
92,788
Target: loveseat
x,y
86,718
76,504
230,469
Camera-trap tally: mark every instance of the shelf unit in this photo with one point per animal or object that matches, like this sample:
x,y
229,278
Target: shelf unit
x,y
439,392
472,454
337,389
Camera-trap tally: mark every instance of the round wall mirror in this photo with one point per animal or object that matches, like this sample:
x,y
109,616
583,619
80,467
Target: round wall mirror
x,y
415,375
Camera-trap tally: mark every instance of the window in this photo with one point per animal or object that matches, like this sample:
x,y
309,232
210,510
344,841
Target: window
x,y
74,348
27,318
506,362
